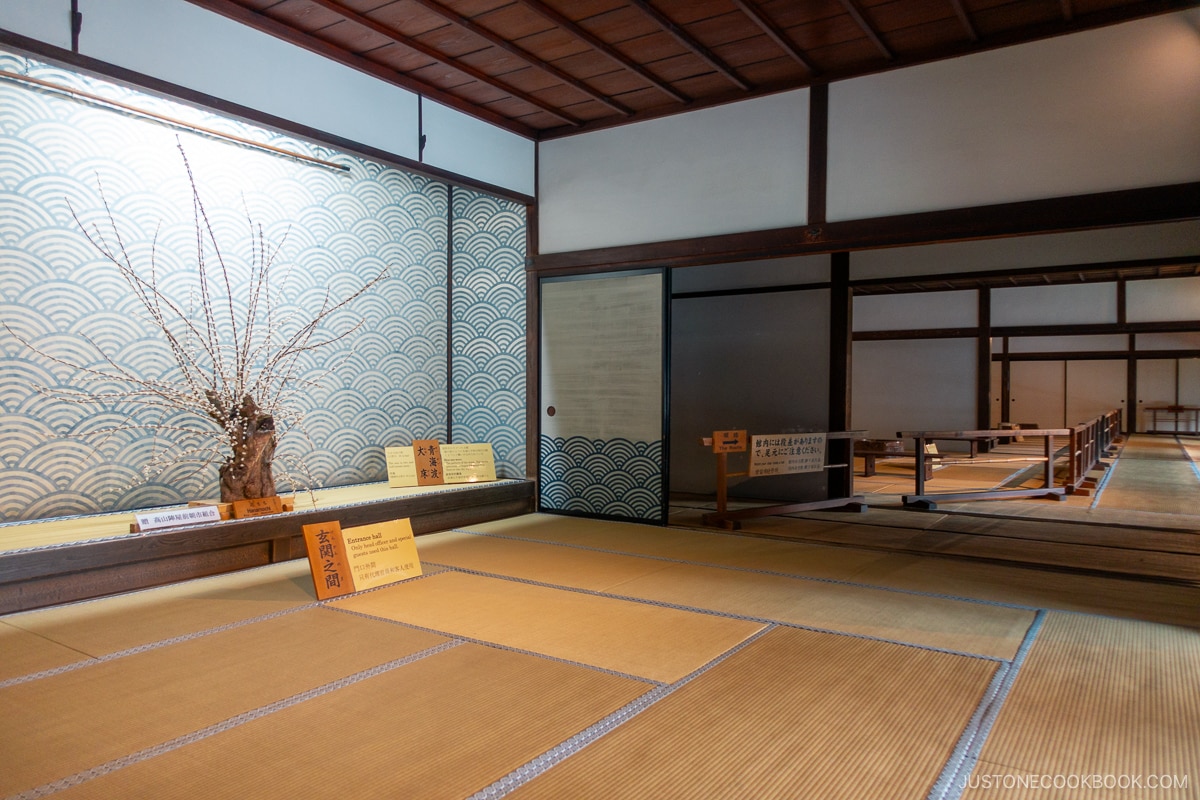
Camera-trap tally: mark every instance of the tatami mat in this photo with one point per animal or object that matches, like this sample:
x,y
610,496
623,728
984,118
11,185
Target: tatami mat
x,y
25,653
441,727
1161,485
59,725
956,625
547,563
739,588
660,644
1098,696
126,621
568,657
695,546
1136,599
794,714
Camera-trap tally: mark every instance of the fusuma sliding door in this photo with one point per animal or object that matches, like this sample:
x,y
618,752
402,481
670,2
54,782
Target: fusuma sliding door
x,y
602,444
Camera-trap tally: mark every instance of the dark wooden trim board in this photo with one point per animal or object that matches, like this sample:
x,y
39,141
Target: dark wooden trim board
x,y
1053,215
38,577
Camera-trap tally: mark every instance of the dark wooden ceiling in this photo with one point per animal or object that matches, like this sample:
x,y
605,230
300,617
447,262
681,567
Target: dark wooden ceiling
x,y
546,68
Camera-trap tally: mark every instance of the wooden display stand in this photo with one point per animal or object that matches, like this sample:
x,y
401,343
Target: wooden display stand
x,y
723,443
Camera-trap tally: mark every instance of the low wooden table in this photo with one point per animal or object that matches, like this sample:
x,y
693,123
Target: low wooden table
x,y
1188,416
872,450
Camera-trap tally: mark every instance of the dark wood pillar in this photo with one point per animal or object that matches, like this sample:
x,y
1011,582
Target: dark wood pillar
x,y
841,330
983,366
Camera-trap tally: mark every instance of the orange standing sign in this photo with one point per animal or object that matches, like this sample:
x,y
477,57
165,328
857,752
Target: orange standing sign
x,y
729,441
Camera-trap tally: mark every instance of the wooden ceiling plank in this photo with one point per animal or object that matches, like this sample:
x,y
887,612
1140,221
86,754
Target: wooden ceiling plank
x,y
776,34
861,21
467,69
1067,11
603,47
681,36
513,49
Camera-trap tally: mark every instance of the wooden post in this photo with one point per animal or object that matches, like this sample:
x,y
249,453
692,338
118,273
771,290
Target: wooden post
x,y
1049,461
920,456
722,481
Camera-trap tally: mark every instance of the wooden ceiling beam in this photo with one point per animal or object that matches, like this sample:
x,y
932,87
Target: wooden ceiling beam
x,y
521,53
777,34
861,21
603,47
961,11
685,39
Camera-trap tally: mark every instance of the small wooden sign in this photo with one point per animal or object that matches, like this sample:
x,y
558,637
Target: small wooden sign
x,y
257,507
468,463
787,453
429,462
729,441
174,518
364,557
401,467
327,559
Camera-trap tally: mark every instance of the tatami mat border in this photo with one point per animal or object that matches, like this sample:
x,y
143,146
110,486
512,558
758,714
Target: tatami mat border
x,y
228,724
953,780
555,755
723,614
750,570
1100,487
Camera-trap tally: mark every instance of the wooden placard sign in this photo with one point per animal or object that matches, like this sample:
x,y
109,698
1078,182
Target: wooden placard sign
x,y
360,558
401,467
729,441
257,507
468,463
429,462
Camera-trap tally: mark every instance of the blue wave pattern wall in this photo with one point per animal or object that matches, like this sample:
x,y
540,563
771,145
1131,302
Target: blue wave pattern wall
x,y
488,327
385,384
608,477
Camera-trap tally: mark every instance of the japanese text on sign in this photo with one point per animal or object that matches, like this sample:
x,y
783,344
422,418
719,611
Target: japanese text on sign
x,y
787,453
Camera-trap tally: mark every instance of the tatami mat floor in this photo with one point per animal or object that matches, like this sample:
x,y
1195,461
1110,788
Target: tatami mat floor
x,y
554,657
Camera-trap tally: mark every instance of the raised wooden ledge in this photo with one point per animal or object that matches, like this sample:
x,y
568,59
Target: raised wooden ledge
x,y
42,576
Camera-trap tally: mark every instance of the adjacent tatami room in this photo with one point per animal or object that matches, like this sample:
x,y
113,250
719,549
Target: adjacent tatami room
x,y
955,241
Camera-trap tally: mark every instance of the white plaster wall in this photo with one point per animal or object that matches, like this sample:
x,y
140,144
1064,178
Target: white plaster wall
x,y
468,146
1106,109
738,167
1163,300
1055,305
913,384
44,20
187,45
198,49
1118,343
958,309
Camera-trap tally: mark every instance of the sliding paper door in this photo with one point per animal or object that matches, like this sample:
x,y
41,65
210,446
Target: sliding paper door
x,y
602,396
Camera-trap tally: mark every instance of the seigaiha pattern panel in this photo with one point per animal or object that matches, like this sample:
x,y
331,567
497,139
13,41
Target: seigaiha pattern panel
x,y
488,342
386,384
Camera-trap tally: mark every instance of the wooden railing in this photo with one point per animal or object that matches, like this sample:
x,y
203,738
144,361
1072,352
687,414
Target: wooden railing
x,y
1086,444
